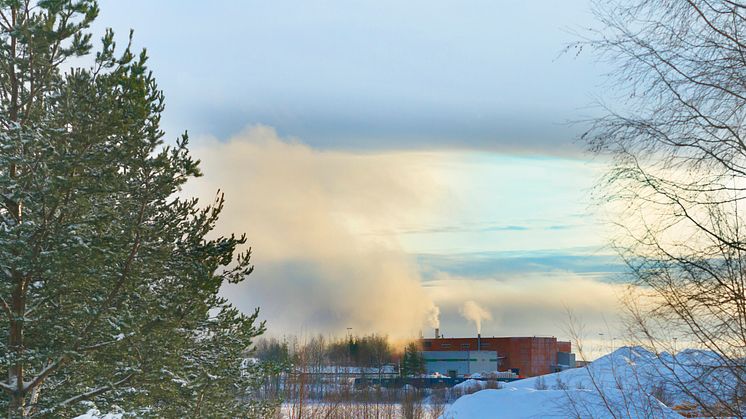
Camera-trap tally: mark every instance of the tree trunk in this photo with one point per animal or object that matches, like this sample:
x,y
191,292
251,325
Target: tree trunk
x,y
18,298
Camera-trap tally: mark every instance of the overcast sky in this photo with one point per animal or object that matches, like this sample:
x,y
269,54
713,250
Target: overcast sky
x,y
430,136
369,74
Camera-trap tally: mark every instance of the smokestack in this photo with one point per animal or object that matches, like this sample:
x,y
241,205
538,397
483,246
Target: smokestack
x,y
437,333
479,341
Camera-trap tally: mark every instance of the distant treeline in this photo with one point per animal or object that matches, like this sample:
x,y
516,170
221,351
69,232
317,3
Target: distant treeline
x,y
369,351
317,377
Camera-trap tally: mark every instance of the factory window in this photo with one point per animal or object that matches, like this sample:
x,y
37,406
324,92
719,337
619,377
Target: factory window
x,y
465,345
428,345
446,345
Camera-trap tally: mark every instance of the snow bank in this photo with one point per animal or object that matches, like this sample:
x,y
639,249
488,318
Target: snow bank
x,y
630,382
628,368
507,403
517,403
470,384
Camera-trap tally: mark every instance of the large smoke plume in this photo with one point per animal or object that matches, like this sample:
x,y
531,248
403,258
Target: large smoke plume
x,y
311,218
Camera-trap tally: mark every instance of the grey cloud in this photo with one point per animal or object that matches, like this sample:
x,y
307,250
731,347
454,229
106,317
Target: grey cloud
x,y
410,130
587,262
459,228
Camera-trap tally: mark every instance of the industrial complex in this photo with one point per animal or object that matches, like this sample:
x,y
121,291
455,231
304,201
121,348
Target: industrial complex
x,y
525,356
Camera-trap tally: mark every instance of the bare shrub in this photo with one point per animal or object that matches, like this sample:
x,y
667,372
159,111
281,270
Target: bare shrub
x,y
455,392
411,405
437,404
493,384
660,392
473,388
677,183
559,384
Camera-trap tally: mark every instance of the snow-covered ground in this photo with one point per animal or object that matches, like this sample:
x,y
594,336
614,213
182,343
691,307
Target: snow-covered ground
x,y
630,383
515,403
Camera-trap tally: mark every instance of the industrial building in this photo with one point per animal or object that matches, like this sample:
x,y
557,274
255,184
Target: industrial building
x,y
459,363
526,356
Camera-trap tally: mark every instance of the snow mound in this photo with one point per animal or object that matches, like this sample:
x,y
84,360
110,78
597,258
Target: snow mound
x,y
629,382
518,403
507,403
469,384
672,377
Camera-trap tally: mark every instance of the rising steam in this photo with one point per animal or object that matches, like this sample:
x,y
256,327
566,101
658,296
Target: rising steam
x,y
433,317
475,313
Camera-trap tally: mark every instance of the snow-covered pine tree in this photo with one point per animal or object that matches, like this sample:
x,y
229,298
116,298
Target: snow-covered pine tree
x,y
108,282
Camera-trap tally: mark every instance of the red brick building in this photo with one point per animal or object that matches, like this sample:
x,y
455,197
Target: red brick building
x,y
530,355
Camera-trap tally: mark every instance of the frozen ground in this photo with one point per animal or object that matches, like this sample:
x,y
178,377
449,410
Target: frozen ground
x,y
516,403
626,383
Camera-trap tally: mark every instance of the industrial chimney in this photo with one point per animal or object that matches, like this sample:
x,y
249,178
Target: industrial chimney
x,y
437,333
479,341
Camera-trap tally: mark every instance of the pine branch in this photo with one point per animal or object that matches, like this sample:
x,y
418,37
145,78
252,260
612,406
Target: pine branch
x,y
41,376
8,388
87,395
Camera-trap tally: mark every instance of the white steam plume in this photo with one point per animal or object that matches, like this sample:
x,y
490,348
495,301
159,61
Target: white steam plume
x,y
474,312
433,317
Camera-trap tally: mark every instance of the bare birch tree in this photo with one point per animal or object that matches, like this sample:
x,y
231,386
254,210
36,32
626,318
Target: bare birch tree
x,y
678,180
